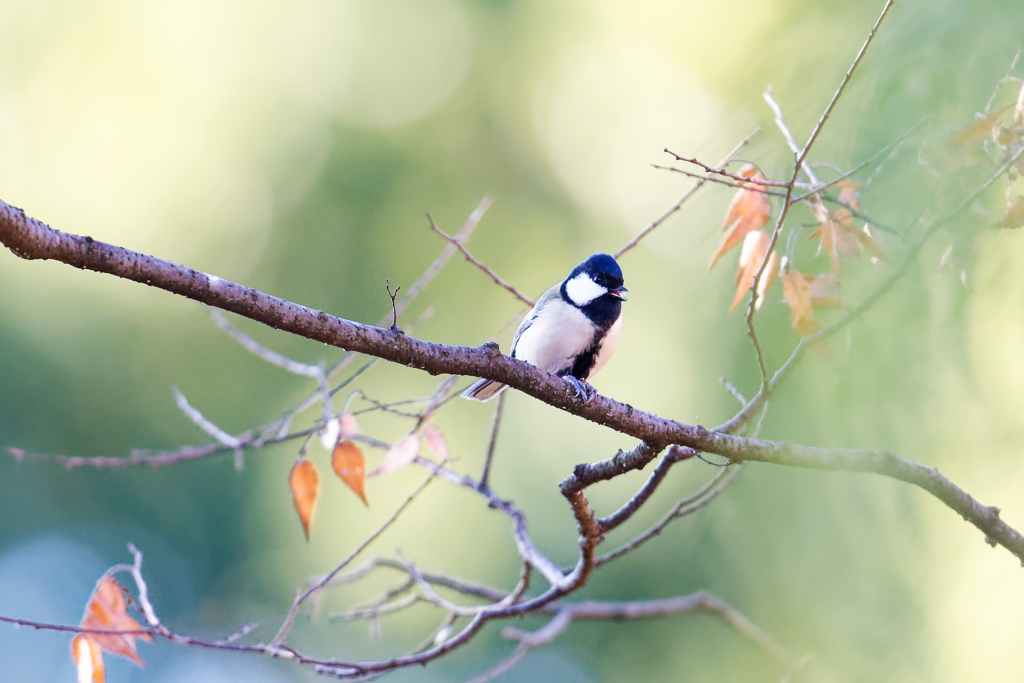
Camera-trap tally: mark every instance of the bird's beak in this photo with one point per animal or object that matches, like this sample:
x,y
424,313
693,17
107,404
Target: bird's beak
x,y
619,293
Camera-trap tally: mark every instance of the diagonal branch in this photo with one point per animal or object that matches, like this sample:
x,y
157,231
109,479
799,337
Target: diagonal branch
x,y
689,193
32,239
498,280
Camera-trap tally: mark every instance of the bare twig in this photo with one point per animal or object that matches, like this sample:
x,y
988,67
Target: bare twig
x,y
293,611
394,308
754,187
32,239
800,162
689,193
674,455
498,280
699,601
842,86
733,390
493,442
222,437
686,506
527,641
719,170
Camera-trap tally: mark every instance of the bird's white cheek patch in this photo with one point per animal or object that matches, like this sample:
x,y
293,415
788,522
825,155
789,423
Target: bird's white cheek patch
x,y
582,290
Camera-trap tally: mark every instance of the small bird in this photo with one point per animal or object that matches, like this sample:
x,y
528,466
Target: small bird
x,y
573,329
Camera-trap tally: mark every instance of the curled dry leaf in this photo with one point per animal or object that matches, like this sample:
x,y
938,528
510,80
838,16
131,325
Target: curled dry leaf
x,y
432,435
748,211
350,465
108,609
304,482
751,256
837,231
797,293
403,452
88,656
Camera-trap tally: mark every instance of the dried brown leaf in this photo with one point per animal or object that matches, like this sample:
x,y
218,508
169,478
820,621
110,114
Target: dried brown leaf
x,y
108,609
870,244
828,231
797,293
848,192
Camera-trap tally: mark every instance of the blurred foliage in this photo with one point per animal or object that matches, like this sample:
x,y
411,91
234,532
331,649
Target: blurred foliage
x,y
297,148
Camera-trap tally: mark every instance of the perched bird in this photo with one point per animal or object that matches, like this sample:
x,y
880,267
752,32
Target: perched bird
x,y
573,330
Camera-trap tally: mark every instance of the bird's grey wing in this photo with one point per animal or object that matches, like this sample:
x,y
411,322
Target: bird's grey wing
x,y
552,293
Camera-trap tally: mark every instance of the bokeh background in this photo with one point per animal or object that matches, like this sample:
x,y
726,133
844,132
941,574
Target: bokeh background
x,y
296,147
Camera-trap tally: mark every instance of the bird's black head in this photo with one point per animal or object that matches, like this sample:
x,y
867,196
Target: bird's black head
x,y
598,277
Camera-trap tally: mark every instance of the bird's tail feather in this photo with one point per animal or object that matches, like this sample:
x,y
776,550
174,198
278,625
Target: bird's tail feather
x,y
483,390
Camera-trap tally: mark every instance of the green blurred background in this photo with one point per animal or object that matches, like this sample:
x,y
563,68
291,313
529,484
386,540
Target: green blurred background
x,y
296,147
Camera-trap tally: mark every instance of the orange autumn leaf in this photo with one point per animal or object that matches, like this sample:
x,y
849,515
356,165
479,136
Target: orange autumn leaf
x,y
304,481
402,453
107,609
748,211
349,464
797,293
88,656
755,245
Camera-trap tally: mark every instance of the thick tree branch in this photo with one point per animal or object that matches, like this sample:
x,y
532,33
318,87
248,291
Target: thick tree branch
x,y
32,239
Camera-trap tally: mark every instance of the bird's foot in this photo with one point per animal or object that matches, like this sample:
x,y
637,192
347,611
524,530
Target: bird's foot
x,y
583,390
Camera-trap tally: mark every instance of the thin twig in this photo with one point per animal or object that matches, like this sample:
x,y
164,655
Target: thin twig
x,y
472,259
222,437
689,193
700,601
394,308
293,611
719,170
754,187
527,641
686,506
495,423
842,86
799,163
